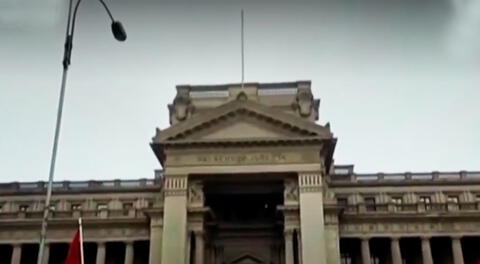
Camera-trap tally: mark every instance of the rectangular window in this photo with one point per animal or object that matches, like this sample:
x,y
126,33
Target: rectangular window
x,y
452,199
370,203
426,201
342,202
127,207
76,207
102,206
397,202
23,207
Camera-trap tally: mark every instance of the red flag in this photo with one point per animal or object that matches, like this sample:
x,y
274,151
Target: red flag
x,y
75,251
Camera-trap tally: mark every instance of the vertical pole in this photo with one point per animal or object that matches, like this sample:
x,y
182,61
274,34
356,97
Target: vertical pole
x,y
80,230
46,210
242,47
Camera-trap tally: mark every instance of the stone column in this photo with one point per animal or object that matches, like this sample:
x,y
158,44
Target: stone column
x,y
289,256
426,251
156,231
366,258
457,250
174,242
311,218
395,249
101,253
16,254
199,247
129,252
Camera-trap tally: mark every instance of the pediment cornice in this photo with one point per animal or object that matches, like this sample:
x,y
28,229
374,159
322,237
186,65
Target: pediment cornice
x,y
298,129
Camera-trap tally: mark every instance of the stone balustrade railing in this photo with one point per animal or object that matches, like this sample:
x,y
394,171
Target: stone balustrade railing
x,y
412,208
78,185
344,174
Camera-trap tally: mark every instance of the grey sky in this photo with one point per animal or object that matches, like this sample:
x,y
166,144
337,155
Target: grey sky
x,y
398,80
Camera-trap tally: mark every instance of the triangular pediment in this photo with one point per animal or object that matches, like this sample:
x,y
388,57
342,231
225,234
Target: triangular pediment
x,y
241,121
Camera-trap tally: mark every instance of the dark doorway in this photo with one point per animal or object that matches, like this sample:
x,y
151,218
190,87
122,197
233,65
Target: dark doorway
x,y
6,252
29,254
115,253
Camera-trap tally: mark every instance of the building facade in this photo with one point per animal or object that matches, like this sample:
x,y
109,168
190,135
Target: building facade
x,y
249,177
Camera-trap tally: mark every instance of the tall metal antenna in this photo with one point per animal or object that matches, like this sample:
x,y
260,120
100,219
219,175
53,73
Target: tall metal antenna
x,y
243,48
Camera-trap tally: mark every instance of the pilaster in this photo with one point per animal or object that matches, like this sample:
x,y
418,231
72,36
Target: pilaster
x,y
156,237
196,215
289,256
332,234
199,247
174,240
311,218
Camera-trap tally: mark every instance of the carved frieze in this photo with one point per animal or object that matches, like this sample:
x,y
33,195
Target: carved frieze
x,y
242,158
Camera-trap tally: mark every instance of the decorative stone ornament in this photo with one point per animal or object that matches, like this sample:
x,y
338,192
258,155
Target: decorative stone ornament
x,y
195,194
303,103
182,107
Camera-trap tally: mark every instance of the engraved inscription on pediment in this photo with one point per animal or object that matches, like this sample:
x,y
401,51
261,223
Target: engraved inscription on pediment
x,y
244,158
242,128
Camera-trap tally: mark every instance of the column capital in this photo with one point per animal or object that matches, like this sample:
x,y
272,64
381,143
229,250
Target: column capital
x,y
310,181
425,237
456,237
365,238
175,185
129,242
395,238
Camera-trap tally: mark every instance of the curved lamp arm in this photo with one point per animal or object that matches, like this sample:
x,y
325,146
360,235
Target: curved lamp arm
x,y
117,29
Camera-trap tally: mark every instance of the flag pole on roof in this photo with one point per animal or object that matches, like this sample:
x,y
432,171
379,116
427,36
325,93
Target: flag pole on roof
x,y
242,31
80,230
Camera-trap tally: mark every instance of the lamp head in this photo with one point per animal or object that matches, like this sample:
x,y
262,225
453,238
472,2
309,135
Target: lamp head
x,y
118,31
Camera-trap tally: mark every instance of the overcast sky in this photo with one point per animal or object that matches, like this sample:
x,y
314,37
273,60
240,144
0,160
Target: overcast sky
x,y
398,80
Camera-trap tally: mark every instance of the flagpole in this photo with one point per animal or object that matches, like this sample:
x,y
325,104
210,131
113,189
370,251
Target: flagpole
x,y
80,229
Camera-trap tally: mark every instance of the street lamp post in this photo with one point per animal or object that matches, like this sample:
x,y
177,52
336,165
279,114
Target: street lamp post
x,y
120,35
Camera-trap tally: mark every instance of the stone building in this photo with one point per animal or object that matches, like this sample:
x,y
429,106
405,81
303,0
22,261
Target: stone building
x,y
248,177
